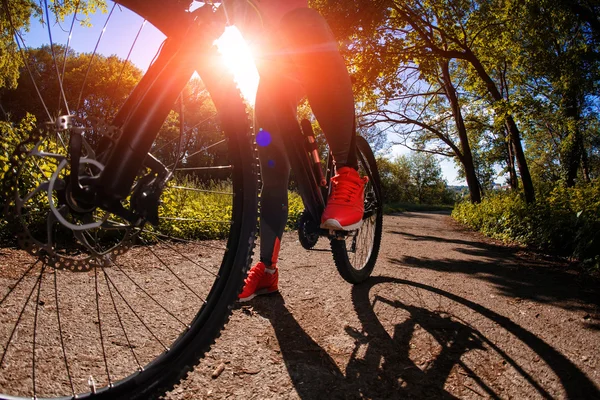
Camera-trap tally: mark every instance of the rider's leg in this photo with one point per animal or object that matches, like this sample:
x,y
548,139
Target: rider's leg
x,y
321,70
275,170
323,74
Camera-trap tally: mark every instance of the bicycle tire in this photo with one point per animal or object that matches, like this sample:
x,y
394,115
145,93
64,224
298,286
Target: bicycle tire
x,y
353,267
195,336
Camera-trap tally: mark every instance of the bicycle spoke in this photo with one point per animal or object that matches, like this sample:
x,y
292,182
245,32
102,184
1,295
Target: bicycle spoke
x,y
204,149
201,190
150,296
216,168
100,325
187,258
35,320
176,276
59,78
17,322
87,73
137,36
196,220
19,40
60,332
135,313
68,44
129,345
11,288
183,240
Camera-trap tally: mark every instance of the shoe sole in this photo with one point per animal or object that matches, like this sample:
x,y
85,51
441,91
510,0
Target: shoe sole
x,y
257,293
336,226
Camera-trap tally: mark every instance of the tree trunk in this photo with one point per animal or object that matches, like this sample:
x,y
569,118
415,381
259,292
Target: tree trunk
x,y
467,156
585,165
573,144
510,162
511,127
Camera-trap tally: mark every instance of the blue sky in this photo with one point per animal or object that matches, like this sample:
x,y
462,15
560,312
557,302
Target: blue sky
x,y
118,38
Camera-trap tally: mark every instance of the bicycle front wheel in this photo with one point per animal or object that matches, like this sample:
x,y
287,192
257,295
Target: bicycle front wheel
x,y
355,253
96,305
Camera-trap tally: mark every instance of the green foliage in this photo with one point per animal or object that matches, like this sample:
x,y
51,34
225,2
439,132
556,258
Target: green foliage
x,y
205,215
413,179
10,136
98,95
295,208
564,221
402,207
189,214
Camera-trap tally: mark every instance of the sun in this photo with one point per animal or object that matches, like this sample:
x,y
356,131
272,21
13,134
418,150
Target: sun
x,y
238,58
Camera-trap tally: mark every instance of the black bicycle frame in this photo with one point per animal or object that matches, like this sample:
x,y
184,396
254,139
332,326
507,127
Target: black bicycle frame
x,y
146,109
311,191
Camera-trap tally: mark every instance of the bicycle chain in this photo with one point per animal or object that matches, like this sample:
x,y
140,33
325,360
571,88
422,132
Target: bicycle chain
x,y
25,240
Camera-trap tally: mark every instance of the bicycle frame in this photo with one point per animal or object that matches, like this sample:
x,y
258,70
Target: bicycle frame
x,y
190,40
311,187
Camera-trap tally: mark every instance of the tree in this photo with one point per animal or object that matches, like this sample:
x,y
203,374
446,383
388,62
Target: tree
x,y
426,177
15,17
96,94
425,33
395,179
559,65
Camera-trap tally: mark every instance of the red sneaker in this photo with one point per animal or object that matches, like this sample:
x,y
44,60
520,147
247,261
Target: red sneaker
x,y
259,281
345,207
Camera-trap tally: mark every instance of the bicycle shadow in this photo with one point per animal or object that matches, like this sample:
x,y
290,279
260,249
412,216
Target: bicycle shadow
x,y
456,339
381,365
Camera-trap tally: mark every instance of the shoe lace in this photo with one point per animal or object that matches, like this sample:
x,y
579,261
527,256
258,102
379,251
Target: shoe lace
x,y
343,190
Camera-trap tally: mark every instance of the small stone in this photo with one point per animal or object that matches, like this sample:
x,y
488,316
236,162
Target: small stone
x,y
218,371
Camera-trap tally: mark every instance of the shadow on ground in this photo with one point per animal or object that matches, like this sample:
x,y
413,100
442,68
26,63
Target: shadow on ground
x,y
380,366
544,280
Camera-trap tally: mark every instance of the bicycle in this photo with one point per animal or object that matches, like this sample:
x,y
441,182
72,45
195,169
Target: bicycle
x,y
86,213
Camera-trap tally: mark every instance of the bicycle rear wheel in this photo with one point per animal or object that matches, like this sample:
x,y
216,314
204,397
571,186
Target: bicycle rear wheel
x,y
99,306
355,253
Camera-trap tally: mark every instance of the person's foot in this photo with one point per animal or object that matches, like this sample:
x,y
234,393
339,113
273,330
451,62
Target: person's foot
x,y
261,280
345,206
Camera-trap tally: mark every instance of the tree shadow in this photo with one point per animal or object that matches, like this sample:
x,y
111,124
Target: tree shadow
x,y
543,279
381,366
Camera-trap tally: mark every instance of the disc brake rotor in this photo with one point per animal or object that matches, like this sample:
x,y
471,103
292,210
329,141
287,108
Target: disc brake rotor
x,y
40,209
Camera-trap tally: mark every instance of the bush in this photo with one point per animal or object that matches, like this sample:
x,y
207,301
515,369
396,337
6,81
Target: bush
x,y
201,215
295,208
563,221
196,215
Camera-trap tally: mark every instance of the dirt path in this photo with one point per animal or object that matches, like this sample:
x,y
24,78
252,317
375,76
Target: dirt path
x,y
447,314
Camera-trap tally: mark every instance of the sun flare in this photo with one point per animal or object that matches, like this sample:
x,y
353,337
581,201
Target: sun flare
x,y
238,58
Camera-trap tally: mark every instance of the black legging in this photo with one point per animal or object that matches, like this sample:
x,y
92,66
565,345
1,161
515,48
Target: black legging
x,y
303,61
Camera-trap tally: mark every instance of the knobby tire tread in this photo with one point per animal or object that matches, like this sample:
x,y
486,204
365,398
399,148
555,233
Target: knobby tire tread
x,y
163,374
